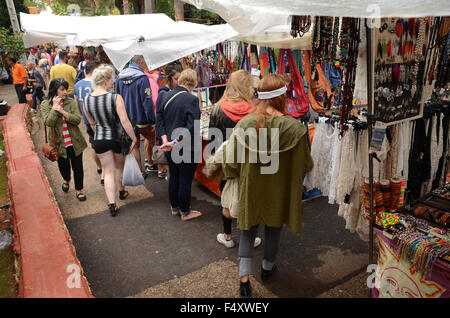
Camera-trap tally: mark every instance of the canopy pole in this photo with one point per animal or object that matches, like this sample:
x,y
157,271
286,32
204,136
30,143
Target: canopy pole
x,y
370,123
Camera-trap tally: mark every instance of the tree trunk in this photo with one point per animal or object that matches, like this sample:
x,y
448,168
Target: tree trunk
x,y
119,5
125,7
136,7
92,2
179,10
150,6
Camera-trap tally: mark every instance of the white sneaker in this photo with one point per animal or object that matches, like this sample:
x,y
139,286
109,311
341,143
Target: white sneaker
x,y
257,242
221,238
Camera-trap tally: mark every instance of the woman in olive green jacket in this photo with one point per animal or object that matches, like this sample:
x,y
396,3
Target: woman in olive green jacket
x,y
61,113
270,178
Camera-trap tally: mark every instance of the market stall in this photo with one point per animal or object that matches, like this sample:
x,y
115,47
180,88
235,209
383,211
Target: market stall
x,y
377,158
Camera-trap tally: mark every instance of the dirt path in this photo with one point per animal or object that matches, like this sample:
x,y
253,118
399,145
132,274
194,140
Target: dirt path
x,y
96,201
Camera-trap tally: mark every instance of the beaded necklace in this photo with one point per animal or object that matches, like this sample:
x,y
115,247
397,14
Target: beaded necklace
x,y
335,38
300,25
350,38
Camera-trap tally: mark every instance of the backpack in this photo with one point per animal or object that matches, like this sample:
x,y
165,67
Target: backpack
x,y
80,73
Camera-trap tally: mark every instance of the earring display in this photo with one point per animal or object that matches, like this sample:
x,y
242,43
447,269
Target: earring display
x,y
401,56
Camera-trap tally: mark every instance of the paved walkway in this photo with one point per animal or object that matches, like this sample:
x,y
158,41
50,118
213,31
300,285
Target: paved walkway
x,y
146,252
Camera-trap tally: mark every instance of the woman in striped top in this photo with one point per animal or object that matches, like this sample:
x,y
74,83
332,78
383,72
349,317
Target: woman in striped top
x,y
103,110
61,113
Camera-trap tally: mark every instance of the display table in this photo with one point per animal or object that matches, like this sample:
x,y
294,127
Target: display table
x,y
213,185
396,278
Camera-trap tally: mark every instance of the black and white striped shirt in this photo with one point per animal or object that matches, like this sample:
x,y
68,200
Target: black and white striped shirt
x,y
103,110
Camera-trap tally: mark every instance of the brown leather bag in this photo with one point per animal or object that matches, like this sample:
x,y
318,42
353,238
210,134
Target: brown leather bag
x,y
50,152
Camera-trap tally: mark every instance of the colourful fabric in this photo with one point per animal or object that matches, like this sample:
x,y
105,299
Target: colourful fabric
x,y
396,277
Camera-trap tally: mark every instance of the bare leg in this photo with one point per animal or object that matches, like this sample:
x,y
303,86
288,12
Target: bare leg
x,y
96,159
108,166
148,151
119,161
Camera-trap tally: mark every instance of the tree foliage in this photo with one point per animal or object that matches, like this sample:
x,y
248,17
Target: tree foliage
x,y
4,15
11,45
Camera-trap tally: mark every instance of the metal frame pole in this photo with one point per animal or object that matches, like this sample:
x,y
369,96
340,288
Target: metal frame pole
x,y
369,127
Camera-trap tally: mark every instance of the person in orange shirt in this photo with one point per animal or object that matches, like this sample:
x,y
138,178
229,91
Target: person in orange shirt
x,y
19,79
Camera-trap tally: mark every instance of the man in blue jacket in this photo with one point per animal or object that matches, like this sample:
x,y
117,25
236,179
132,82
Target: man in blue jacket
x,y
133,85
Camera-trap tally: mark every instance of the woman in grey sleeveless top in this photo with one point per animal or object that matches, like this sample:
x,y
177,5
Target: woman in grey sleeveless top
x,y
102,108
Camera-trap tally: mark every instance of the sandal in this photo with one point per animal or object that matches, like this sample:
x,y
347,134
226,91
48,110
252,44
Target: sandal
x,y
65,186
113,209
123,194
81,196
176,212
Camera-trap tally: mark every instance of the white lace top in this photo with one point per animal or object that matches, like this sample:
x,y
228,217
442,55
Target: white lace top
x,y
325,142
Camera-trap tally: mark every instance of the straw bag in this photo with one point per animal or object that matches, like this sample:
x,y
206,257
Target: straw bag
x,y
50,152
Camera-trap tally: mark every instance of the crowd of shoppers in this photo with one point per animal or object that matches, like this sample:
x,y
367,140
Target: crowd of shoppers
x,y
86,86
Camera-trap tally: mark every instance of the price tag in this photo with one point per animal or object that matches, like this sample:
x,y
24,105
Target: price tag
x,y
378,135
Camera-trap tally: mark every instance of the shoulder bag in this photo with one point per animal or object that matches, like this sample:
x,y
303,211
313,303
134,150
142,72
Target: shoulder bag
x,y
121,135
158,155
50,152
298,103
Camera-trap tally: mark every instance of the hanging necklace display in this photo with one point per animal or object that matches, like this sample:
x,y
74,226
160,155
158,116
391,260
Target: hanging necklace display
x,y
300,25
350,43
335,39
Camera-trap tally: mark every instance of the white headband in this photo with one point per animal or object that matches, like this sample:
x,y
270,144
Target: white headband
x,y
271,94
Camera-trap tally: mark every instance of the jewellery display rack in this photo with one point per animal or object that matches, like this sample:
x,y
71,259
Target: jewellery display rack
x,y
399,57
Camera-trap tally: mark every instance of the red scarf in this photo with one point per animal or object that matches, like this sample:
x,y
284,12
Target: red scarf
x,y
236,111
66,134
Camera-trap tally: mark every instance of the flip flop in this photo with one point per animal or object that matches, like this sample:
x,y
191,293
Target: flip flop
x,y
65,187
81,196
123,194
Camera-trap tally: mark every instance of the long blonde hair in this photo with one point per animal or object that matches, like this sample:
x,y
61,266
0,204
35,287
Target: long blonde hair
x,y
239,87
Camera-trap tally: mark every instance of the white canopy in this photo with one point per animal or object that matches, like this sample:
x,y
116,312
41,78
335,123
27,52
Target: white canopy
x,y
183,39
252,17
160,39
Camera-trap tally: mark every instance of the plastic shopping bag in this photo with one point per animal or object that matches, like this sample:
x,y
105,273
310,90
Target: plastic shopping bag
x,y
132,175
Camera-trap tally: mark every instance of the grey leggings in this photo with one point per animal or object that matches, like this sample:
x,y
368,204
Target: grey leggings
x,y
246,247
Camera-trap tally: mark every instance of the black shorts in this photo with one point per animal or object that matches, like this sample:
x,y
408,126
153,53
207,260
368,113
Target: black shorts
x,y
102,146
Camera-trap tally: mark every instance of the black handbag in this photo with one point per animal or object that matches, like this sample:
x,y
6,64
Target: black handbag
x,y
121,135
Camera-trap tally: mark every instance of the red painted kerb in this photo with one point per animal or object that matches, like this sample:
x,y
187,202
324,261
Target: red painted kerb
x,y
49,266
